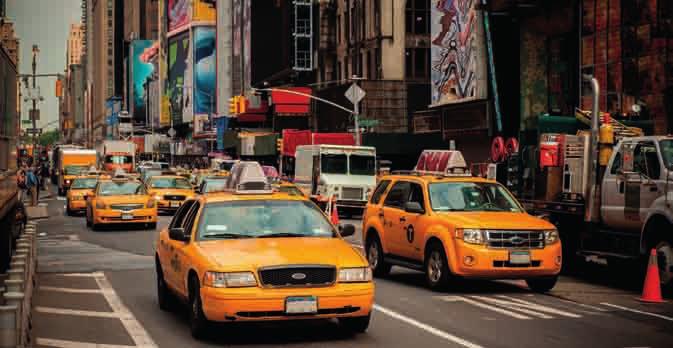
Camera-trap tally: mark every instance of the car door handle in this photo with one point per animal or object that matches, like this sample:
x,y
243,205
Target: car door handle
x,y
403,219
381,215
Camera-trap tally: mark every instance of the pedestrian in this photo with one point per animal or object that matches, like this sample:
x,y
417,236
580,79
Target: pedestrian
x,y
44,173
32,185
21,181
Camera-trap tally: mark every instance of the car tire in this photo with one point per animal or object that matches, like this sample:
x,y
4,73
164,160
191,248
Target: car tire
x,y
437,272
356,324
68,212
375,257
152,226
164,296
542,285
198,323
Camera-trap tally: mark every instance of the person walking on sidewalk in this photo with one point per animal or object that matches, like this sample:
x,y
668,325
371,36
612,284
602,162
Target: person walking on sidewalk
x,y
44,174
32,185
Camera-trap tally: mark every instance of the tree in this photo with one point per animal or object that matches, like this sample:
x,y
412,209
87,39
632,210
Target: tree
x,y
49,137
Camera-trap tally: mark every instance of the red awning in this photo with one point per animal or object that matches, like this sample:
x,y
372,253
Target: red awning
x,y
293,138
334,139
290,103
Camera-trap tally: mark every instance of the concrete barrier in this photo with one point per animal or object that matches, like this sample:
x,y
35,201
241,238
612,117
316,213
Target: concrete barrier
x,y
8,327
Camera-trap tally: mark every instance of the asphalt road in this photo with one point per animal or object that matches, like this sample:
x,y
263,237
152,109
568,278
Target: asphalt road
x,y
99,287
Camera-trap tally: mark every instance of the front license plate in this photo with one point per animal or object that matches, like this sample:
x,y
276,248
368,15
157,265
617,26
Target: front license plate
x,y
127,216
519,257
301,305
175,204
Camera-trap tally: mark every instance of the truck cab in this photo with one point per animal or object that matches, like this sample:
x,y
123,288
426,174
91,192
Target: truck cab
x,y
346,173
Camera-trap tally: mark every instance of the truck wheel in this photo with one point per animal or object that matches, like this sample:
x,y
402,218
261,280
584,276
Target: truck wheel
x,y
665,263
375,257
437,271
542,285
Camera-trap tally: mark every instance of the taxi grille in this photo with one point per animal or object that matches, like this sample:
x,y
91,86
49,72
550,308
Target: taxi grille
x,y
351,193
501,239
127,206
297,276
174,197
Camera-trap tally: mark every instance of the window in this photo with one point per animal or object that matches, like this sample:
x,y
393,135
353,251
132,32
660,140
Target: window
x,y
646,160
416,194
617,163
398,195
191,217
362,165
417,17
378,192
469,196
334,164
667,152
417,63
181,214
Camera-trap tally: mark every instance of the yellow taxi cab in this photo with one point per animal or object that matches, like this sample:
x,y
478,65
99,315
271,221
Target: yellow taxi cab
x,y
455,225
170,191
80,188
260,255
120,201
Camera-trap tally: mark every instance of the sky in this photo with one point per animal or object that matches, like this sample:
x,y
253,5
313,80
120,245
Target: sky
x,y
45,23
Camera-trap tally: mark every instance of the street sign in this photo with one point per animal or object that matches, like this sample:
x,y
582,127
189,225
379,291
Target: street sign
x,y
26,121
171,132
34,130
368,123
34,114
355,94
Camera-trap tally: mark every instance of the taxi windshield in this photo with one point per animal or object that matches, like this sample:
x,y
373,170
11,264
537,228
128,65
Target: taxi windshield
x,y
263,219
88,183
214,185
120,188
170,183
470,196
75,169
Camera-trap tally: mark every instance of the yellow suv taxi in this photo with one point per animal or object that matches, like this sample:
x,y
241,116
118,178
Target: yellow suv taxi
x,y
457,226
170,191
80,188
260,255
120,201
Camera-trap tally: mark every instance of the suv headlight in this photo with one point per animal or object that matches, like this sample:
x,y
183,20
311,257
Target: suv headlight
x,y
551,237
100,205
229,280
355,275
470,235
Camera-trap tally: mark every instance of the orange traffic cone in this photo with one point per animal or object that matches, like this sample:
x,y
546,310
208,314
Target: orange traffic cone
x,y
652,287
335,214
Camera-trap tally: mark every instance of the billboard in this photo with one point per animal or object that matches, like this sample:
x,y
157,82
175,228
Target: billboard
x,y
458,68
241,25
203,11
178,51
177,13
139,71
204,70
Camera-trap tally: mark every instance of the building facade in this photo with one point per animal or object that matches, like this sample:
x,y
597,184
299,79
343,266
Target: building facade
x,y
9,40
75,44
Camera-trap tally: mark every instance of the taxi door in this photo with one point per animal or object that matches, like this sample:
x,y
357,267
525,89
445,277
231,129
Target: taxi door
x,y
393,217
168,256
412,224
181,253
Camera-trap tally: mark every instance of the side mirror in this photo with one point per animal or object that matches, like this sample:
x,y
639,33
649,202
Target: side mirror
x,y
414,208
178,233
347,230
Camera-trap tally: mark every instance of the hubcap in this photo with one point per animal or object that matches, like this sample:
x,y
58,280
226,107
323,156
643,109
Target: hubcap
x,y
665,262
373,255
435,267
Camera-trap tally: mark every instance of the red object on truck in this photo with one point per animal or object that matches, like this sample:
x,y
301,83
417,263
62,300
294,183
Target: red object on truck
x,y
293,138
549,154
333,139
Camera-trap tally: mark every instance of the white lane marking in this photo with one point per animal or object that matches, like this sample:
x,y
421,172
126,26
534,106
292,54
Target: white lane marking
x,y
541,308
597,309
135,330
75,312
59,198
637,311
84,275
439,333
485,306
49,342
70,290
73,237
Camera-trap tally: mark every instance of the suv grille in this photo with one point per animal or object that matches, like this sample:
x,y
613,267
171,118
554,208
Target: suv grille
x,y
287,276
515,239
127,206
351,193
174,198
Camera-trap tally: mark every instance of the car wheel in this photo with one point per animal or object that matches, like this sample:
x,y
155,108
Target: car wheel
x,y
542,285
356,324
67,209
164,295
152,226
665,263
437,272
198,323
375,257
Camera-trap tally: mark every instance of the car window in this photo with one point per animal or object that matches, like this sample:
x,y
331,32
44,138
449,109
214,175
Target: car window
x,y
190,217
416,194
180,214
617,163
380,189
398,195
646,160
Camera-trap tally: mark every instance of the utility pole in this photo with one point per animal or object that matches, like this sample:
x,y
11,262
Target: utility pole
x,y
36,50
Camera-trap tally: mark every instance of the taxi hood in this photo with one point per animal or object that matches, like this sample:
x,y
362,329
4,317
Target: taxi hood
x,y
496,220
124,199
252,253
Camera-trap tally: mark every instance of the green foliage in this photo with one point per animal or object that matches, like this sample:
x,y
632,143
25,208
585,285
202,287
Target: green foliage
x,y
49,137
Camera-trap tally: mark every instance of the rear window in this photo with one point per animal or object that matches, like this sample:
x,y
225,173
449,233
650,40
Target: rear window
x,y
378,193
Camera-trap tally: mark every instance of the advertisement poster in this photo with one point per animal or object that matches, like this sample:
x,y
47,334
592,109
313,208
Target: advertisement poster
x,y
241,43
178,13
458,67
178,50
204,11
204,70
139,72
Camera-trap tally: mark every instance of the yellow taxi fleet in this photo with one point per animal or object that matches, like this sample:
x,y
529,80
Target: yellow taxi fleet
x,y
120,201
80,188
170,191
457,226
260,255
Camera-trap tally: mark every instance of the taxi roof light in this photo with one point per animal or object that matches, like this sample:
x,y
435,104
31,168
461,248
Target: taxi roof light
x,y
440,162
247,177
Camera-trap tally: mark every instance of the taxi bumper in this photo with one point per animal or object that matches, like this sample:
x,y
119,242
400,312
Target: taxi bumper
x,y
108,216
478,261
76,205
169,205
260,304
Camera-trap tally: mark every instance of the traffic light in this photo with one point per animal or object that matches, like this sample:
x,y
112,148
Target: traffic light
x,y
242,104
279,144
233,105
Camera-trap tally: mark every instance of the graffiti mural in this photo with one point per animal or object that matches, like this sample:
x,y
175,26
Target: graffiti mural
x,y
458,68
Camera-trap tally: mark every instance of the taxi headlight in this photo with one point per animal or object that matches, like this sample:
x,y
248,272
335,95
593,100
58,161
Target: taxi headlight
x,y
67,182
470,235
229,280
355,275
551,236
158,197
100,205
151,203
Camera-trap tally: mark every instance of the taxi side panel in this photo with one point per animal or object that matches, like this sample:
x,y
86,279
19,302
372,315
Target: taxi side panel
x,y
372,220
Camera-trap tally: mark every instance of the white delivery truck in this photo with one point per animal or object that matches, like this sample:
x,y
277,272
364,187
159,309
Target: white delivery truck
x,y
345,173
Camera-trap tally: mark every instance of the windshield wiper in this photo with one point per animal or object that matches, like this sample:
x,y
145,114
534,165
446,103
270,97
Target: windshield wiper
x,y
225,235
280,235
